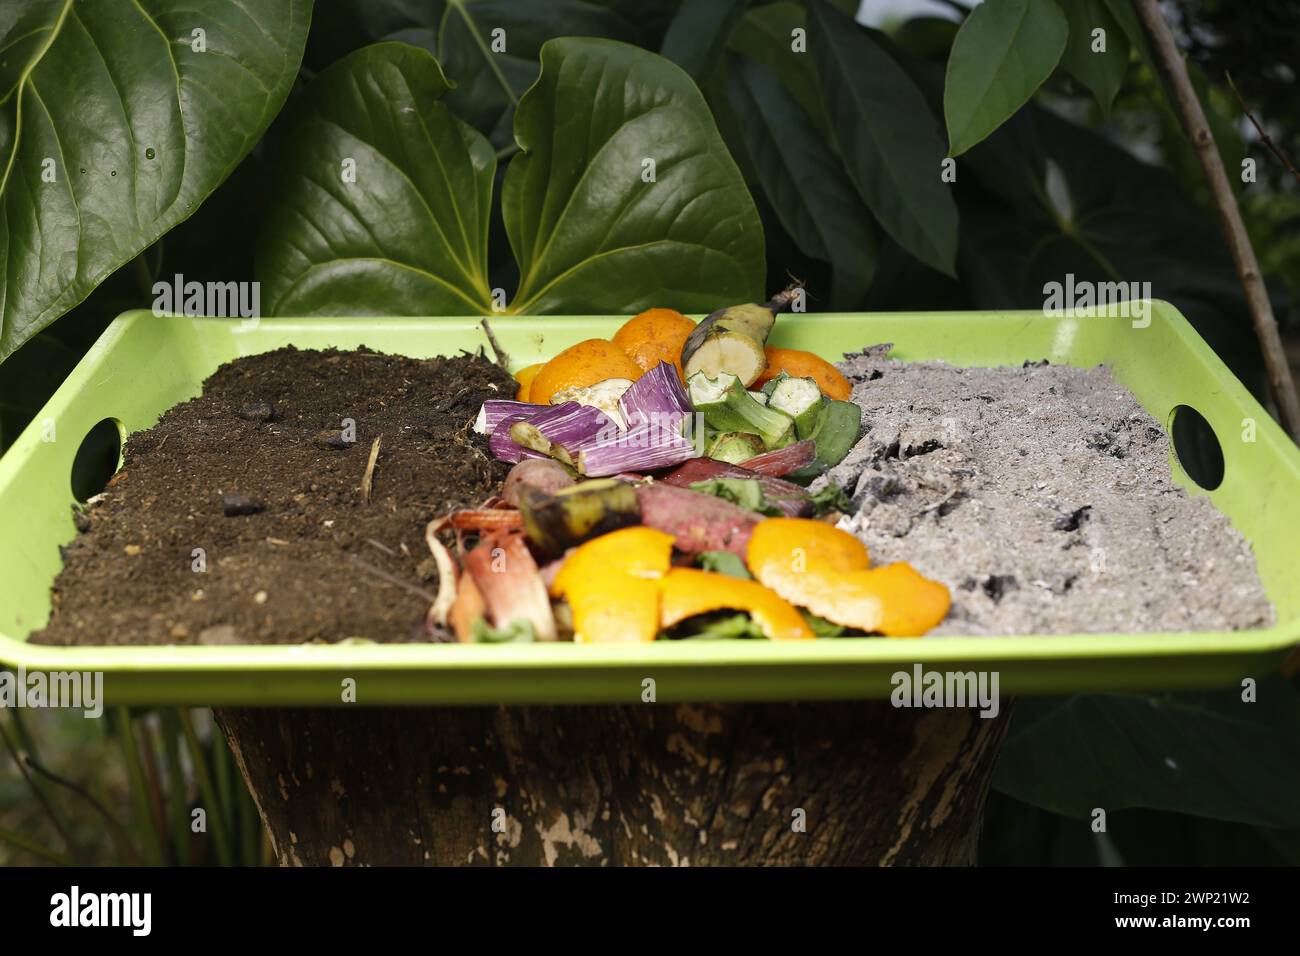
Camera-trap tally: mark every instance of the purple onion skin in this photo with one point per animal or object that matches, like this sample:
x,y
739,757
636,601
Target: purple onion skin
x,y
497,409
570,424
505,448
643,447
657,392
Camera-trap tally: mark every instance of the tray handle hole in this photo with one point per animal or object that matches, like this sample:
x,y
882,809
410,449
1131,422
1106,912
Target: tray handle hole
x,y
1197,447
97,459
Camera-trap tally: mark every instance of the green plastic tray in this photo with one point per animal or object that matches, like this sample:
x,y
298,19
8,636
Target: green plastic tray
x,y
144,364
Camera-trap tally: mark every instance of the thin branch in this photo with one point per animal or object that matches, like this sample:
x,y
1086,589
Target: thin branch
x,y
1263,136
19,759
502,358
1169,62
117,832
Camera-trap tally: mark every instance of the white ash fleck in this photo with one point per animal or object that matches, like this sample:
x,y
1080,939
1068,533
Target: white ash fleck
x,y
1042,497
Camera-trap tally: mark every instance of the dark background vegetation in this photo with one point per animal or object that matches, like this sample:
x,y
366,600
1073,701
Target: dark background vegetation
x,y
1128,201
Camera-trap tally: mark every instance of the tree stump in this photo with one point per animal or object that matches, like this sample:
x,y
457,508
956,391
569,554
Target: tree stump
x,y
857,783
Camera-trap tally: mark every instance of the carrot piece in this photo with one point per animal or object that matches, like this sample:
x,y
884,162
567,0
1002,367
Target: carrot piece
x,y
468,607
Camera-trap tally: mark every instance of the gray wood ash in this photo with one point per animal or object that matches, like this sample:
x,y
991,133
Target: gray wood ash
x,y
1042,497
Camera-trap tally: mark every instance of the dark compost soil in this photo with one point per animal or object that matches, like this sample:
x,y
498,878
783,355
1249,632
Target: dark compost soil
x,y
159,560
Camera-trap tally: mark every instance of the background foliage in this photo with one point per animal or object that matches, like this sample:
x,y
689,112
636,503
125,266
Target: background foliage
x,y
477,176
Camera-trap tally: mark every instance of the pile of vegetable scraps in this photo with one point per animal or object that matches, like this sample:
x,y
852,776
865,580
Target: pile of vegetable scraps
x,y
659,492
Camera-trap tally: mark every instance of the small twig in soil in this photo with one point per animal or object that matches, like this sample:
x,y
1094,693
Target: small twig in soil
x,y
368,479
392,579
502,358
381,546
1263,136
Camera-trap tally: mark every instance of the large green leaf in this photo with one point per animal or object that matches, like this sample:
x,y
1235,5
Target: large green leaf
x,y
592,229
803,179
1003,52
409,236
489,48
1209,754
887,137
114,127
698,33
1101,71
767,34
589,233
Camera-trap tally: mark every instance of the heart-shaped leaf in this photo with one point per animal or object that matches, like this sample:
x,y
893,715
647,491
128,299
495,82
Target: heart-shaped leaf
x,y
622,197
117,118
886,136
1003,52
384,202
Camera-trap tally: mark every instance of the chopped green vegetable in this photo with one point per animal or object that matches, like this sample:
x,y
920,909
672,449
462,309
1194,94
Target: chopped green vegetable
x,y
734,447
731,339
837,434
516,632
714,626
725,562
831,498
726,406
770,385
746,492
822,627
801,399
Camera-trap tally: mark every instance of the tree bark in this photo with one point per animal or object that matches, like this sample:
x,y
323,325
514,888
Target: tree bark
x,y
859,783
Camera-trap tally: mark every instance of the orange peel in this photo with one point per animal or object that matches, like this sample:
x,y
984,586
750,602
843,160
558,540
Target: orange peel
x,y
826,570
685,592
580,366
612,585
